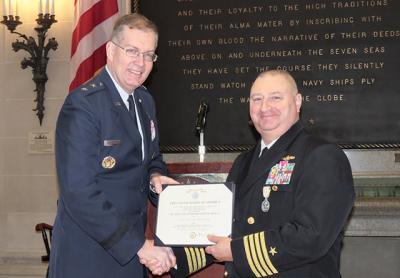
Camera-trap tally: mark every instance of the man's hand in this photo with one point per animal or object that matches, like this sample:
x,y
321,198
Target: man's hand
x,y
158,180
158,259
222,248
155,267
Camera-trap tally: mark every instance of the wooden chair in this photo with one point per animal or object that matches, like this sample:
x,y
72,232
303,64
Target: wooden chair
x,y
46,231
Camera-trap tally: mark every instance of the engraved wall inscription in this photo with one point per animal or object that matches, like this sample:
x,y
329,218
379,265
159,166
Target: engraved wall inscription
x,y
344,55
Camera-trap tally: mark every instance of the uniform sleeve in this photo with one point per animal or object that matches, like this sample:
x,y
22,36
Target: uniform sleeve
x,y
77,147
190,260
157,164
156,167
323,201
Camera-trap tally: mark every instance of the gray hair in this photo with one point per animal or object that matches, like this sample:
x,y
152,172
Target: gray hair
x,y
133,21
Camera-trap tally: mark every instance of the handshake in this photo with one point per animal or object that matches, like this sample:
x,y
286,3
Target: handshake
x,y
161,259
157,259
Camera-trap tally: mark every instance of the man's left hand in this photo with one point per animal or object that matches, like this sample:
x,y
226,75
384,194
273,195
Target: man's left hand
x,y
222,248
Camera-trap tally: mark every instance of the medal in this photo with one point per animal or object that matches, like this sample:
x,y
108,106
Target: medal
x,y
265,205
281,173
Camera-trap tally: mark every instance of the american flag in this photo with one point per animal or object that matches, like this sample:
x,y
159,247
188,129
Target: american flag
x,y
93,23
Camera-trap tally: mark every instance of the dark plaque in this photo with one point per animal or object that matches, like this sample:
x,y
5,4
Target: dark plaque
x,y
344,55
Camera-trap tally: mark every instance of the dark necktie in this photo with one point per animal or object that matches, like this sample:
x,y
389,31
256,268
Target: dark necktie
x,y
132,109
264,151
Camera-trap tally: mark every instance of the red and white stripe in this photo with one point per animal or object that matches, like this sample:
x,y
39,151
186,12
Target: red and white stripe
x,y
93,23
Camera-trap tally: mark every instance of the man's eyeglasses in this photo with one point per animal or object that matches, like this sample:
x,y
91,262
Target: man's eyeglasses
x,y
133,52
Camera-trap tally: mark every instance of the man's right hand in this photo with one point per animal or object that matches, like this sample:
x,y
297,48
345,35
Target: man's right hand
x,y
158,259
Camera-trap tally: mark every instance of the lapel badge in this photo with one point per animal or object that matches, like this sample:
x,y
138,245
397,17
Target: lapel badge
x,y
288,157
274,188
152,130
84,89
108,162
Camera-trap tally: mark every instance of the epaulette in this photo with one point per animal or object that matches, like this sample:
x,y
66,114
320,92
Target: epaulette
x,y
91,87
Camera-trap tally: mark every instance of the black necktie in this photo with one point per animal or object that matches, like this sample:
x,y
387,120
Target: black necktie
x,y
132,109
264,151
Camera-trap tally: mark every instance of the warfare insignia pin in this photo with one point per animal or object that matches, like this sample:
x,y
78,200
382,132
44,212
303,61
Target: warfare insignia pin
x,y
108,162
288,157
84,89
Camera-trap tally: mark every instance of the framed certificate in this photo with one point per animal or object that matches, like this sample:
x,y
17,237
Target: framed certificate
x,y
187,213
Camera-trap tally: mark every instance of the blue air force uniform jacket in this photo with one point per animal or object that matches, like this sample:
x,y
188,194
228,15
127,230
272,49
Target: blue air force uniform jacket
x,y
103,182
311,194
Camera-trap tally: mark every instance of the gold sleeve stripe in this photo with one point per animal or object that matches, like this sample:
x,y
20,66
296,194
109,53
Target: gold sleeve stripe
x,y
248,256
254,256
194,260
203,257
199,260
260,255
265,252
189,260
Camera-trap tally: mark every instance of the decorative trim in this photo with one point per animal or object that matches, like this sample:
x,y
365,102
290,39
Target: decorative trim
x,y
212,148
241,148
369,146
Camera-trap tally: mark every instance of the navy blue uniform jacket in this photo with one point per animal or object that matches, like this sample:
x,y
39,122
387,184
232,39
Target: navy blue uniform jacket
x,y
103,182
301,234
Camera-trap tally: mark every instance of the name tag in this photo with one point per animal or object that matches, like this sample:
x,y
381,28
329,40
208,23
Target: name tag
x,y
110,143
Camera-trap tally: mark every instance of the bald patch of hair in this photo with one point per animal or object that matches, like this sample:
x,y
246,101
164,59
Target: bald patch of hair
x,y
288,77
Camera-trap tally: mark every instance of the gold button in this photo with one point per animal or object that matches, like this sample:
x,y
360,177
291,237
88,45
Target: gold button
x,y
274,188
226,273
250,220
